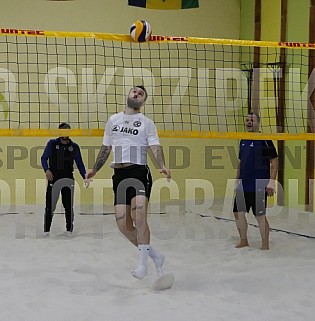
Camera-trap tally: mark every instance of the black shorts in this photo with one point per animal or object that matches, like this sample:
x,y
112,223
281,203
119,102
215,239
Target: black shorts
x,y
129,182
244,201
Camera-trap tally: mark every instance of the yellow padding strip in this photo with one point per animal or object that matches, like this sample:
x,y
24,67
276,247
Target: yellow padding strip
x,y
162,134
234,135
154,38
51,132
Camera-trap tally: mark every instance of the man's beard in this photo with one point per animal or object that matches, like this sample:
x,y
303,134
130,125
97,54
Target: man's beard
x,y
133,103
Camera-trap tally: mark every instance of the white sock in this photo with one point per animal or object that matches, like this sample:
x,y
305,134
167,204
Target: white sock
x,y
142,270
158,260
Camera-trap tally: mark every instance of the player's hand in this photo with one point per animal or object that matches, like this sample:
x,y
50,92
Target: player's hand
x,y
90,174
166,172
270,189
87,182
49,175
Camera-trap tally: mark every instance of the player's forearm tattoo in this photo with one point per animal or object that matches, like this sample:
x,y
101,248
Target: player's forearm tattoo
x,y
158,155
101,157
119,218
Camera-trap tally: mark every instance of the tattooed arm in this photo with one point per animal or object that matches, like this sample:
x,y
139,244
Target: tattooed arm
x,y
158,154
100,160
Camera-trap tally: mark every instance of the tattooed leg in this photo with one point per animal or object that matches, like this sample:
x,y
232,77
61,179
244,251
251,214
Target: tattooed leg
x,y
125,224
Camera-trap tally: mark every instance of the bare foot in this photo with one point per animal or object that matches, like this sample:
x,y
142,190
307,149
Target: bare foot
x,y
243,243
265,247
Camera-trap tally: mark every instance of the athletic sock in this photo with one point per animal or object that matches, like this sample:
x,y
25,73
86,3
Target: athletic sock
x,y
158,260
142,270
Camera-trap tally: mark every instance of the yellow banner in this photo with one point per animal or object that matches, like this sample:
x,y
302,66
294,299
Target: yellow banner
x,y
164,4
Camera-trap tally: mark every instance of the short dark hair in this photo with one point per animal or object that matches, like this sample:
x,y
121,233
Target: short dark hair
x,y
64,126
257,116
145,91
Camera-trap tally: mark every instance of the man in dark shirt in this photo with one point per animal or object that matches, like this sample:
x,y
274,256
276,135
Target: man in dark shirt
x,y
57,161
255,180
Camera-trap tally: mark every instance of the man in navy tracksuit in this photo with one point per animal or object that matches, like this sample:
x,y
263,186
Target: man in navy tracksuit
x,y
255,180
57,161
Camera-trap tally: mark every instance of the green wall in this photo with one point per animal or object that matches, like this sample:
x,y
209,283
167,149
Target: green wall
x,y
231,19
297,31
213,18
20,157
247,20
270,20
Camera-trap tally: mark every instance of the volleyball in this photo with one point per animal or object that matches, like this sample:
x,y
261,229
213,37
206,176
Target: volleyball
x,y
140,31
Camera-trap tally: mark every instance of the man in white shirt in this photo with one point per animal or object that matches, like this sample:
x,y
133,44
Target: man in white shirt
x,y
129,134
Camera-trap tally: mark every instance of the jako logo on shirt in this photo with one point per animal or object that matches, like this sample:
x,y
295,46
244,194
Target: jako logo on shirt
x,y
126,130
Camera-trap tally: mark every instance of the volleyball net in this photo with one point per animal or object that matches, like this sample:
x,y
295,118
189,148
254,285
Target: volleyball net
x,y
197,87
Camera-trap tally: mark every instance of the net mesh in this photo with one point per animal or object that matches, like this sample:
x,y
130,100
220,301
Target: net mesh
x,y
195,86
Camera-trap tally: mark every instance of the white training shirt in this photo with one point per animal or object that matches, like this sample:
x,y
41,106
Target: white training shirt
x,y
130,136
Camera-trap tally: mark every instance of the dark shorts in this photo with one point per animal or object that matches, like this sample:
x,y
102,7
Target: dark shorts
x,y
244,201
130,182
